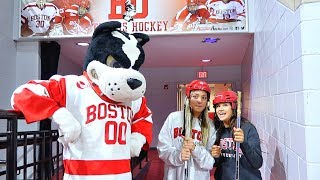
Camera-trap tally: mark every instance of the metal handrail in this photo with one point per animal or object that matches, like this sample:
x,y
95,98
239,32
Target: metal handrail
x,y
43,166
15,139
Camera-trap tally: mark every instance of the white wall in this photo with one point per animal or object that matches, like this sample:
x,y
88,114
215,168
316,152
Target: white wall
x,y
8,54
280,89
19,63
7,68
28,67
19,60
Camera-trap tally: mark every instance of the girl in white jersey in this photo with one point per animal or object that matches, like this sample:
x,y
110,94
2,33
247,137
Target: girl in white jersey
x,y
186,137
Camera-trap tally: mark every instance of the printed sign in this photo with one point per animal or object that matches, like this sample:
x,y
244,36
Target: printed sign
x,y
202,74
53,18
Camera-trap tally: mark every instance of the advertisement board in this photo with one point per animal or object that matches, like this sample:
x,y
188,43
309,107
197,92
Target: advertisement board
x,y
78,18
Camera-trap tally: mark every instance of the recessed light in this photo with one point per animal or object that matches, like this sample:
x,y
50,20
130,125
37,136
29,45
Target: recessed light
x,y
206,60
210,40
82,44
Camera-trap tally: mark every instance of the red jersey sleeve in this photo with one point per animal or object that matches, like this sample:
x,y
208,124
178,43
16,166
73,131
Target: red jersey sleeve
x,y
38,100
142,123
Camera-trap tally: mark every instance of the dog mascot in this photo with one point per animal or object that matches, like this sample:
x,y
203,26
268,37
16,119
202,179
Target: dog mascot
x,y
102,116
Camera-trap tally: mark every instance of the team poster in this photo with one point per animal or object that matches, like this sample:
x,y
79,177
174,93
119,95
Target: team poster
x,y
78,18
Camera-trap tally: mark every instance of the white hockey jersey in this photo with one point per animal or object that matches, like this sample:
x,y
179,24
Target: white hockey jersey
x,y
170,145
231,11
103,149
39,20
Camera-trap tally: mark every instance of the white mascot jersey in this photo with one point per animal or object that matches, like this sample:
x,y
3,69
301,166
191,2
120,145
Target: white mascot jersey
x,y
103,149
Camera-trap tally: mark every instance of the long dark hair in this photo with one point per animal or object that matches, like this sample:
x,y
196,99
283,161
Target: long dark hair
x,y
220,126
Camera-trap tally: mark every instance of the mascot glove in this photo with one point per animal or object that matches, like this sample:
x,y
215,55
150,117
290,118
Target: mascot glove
x,y
137,141
69,128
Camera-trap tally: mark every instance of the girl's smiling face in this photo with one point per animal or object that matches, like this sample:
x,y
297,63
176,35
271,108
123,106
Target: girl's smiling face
x,y
224,112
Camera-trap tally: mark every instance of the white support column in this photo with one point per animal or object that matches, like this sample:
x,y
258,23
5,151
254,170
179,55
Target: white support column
x,y
28,64
28,67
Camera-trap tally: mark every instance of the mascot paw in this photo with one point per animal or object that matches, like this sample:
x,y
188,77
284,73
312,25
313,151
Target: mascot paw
x,y
137,141
69,127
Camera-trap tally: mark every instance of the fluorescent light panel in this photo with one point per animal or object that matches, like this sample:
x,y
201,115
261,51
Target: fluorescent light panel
x,y
206,60
82,44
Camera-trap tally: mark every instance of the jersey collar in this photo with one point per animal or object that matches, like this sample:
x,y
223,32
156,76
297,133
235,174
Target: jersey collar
x,y
97,90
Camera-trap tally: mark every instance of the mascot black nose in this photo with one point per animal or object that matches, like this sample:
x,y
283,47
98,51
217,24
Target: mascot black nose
x,y
134,83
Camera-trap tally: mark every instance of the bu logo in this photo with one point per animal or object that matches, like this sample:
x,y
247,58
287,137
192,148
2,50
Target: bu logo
x,y
81,85
115,5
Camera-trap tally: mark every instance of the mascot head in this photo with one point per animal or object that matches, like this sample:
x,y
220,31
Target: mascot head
x,y
113,60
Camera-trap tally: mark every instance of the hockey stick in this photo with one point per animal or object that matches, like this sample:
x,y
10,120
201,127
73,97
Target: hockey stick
x,y
187,134
237,172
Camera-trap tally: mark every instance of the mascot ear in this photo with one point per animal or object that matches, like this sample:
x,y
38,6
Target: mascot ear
x,y
105,27
142,38
94,70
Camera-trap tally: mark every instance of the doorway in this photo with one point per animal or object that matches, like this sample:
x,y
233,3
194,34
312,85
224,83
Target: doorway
x,y
215,88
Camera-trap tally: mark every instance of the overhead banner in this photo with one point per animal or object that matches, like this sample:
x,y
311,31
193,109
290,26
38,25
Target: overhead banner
x,y
79,18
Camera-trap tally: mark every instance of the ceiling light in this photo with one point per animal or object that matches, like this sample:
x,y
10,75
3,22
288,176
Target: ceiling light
x,y
210,40
206,60
82,44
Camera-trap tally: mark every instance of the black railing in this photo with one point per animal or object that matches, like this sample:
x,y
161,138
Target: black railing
x,y
45,161
29,154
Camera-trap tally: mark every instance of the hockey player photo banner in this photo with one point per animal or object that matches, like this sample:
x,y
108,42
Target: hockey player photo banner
x,y
52,18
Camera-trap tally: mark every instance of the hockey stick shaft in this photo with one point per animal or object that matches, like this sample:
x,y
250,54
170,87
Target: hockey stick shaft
x,y
188,129
237,171
187,134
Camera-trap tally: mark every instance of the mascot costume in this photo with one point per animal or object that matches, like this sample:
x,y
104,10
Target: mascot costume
x,y
102,116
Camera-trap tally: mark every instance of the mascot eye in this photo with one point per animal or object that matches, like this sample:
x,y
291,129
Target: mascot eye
x,y
111,62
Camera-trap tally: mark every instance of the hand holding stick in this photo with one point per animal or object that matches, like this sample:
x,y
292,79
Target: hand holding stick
x,y
237,172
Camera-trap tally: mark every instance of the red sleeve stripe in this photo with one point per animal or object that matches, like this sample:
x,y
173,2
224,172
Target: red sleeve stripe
x,y
149,119
143,112
34,107
56,90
